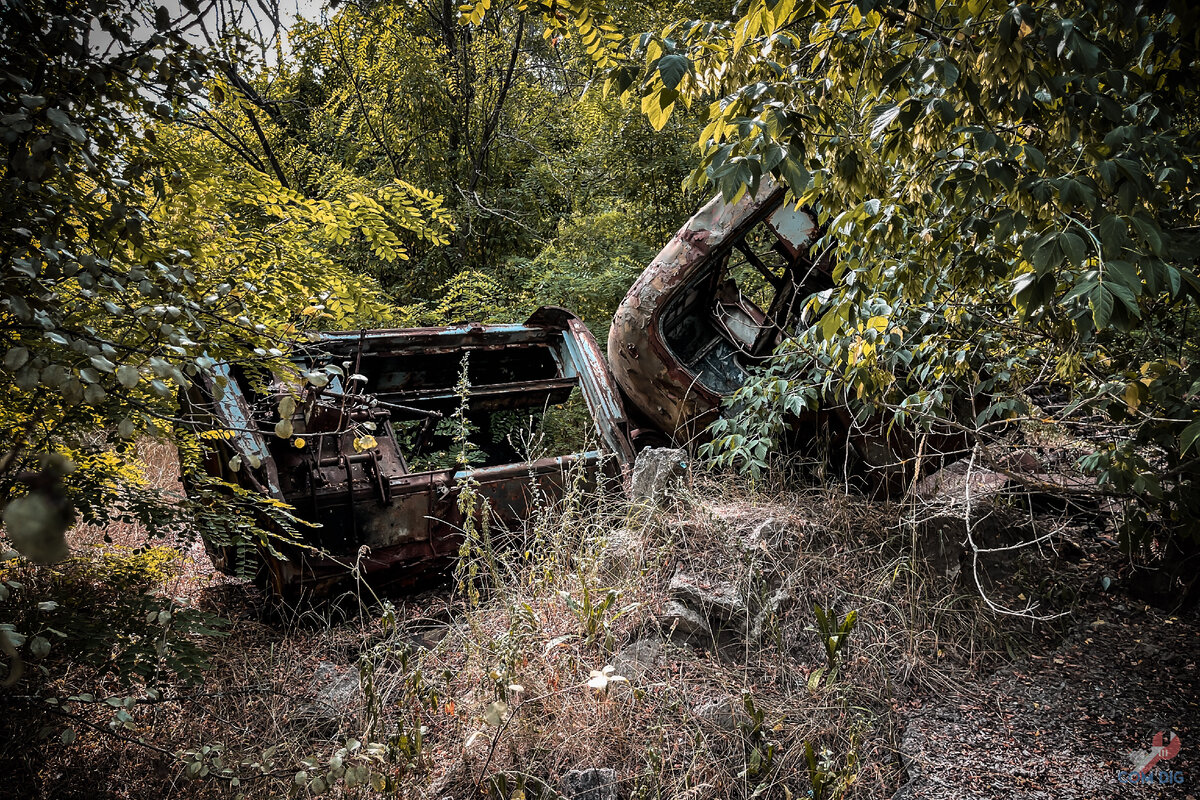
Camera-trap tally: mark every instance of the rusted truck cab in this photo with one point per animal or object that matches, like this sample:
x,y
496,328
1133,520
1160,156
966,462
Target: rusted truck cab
x,y
713,303
372,455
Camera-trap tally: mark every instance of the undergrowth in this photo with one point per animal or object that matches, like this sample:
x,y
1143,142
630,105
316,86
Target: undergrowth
x,y
554,652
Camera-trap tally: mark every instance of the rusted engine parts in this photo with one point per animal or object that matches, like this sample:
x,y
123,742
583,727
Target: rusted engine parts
x,y
371,456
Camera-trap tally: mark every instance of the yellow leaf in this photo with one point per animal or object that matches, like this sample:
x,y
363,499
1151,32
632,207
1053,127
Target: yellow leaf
x,y
653,110
1133,397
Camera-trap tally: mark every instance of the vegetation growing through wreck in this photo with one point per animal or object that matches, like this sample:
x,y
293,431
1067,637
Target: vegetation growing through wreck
x,y
1008,190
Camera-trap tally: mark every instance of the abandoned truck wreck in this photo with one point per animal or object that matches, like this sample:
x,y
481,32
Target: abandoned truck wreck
x,y
371,457
714,303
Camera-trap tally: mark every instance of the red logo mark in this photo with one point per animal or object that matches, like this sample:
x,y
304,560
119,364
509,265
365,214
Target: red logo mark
x,y
1159,751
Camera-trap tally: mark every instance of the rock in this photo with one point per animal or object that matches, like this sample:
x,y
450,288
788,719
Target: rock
x,y
771,609
686,623
589,784
722,713
763,535
635,659
658,476
1022,461
335,695
949,484
721,603
942,513
621,552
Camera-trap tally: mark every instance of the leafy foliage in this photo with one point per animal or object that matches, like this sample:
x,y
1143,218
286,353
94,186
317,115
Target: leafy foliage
x,y
135,259
835,635
1008,191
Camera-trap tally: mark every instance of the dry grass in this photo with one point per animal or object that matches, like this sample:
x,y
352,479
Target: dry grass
x,y
487,691
190,570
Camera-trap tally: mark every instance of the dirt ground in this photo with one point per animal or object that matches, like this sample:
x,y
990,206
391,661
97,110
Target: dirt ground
x,y
1070,722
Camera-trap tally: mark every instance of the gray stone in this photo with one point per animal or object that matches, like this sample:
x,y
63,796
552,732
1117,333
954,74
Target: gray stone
x,y
620,553
635,659
658,476
771,609
720,603
722,713
589,784
762,536
687,623
951,484
335,695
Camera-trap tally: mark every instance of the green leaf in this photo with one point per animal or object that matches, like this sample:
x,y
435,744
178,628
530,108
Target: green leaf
x,y
1112,233
1101,301
798,178
63,122
128,375
15,358
672,68
883,116
1072,246
1035,157
1148,229
1084,286
950,73
1189,436
1124,273
1127,297
1047,255
103,364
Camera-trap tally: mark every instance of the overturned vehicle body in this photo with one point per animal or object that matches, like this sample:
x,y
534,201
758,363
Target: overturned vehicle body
x,y
372,455
713,305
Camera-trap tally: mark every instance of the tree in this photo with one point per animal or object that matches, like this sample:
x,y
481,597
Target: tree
x,y
1009,191
491,111
134,261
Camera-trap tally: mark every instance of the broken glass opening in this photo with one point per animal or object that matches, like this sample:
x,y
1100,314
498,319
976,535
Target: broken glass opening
x,y
734,311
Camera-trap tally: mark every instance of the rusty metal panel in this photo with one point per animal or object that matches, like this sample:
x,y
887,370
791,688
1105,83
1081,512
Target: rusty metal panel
x,y
233,414
671,395
348,465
